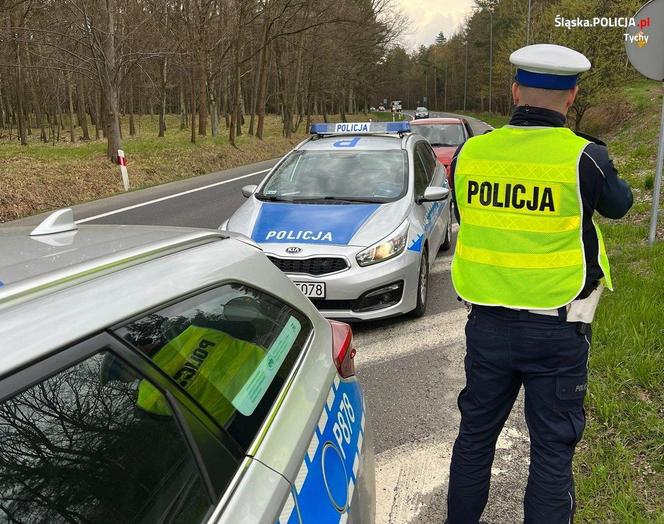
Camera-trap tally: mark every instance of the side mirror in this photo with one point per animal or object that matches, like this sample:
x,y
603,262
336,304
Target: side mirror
x,y
433,194
247,191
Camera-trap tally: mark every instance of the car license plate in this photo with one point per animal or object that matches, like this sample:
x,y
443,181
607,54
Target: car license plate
x,y
312,289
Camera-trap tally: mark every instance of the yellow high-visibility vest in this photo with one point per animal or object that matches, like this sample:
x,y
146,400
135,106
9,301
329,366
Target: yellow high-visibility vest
x,y
210,365
520,242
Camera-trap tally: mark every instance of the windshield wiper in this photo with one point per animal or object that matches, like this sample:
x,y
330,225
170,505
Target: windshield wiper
x,y
436,144
273,198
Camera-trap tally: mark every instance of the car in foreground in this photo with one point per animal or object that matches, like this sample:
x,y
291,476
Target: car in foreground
x,y
355,216
444,134
421,112
153,374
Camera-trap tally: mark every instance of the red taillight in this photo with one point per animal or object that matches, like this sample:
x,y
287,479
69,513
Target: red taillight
x,y
343,352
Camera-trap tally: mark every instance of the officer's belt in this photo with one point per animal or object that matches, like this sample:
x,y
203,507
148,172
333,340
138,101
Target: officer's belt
x,y
546,312
507,312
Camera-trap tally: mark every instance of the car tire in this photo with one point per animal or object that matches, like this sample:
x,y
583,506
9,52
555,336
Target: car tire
x,y
422,286
447,240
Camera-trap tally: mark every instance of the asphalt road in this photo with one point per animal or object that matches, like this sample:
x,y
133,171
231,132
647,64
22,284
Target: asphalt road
x,y
411,370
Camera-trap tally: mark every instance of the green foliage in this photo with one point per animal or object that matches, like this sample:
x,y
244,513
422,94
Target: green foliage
x,y
620,461
441,67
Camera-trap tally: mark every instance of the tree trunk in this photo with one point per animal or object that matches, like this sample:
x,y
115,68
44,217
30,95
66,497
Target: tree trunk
x,y
22,131
263,72
132,119
3,113
202,100
82,117
162,108
35,102
236,96
70,105
183,109
110,82
100,128
342,108
214,111
193,107
239,119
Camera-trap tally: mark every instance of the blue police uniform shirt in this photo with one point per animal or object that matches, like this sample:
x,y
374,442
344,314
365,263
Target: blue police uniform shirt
x,y
601,188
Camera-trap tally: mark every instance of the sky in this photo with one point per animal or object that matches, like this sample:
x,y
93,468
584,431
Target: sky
x,y
430,17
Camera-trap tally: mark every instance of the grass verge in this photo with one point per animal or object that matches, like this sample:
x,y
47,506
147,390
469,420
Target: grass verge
x,y
620,461
493,119
40,177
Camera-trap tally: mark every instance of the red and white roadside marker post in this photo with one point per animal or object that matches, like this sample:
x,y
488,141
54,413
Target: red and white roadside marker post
x,y
122,161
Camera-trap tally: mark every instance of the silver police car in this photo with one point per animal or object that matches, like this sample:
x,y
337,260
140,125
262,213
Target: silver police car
x,y
355,216
171,375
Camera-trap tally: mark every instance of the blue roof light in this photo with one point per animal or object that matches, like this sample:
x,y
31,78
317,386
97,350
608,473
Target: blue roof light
x,y
359,128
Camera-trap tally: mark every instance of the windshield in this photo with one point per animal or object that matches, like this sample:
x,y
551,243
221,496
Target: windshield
x,y
421,109
355,176
441,134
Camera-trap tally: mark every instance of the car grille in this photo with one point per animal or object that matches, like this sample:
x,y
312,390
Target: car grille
x,y
311,266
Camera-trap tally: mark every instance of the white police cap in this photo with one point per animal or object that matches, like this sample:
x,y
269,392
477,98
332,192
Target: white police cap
x,y
548,66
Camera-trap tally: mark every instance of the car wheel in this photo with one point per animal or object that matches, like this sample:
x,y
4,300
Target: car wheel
x,y
422,286
447,241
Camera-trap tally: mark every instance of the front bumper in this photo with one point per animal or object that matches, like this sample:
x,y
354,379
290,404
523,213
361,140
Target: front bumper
x,y
347,289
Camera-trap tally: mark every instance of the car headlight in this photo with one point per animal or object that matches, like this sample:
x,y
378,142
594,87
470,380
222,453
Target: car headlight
x,y
389,247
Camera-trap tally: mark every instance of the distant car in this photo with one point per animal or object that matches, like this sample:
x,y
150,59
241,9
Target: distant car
x,y
381,108
372,108
444,134
421,112
153,374
355,216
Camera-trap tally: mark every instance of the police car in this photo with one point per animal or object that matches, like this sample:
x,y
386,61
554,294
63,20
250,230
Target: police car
x,y
152,374
355,216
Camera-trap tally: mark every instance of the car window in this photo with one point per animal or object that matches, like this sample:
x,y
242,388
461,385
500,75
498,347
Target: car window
x,y
231,349
421,179
357,174
428,159
78,447
441,135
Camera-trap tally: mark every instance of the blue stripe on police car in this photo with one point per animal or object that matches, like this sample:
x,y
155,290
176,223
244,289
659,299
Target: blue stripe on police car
x,y
310,223
326,481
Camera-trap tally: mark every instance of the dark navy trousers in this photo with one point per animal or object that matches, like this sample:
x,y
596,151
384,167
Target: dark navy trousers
x,y
507,349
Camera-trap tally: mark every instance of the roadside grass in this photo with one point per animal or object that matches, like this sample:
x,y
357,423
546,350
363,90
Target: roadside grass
x,y
385,116
620,462
493,119
40,177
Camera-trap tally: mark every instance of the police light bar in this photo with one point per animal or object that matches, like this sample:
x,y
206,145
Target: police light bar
x,y
359,128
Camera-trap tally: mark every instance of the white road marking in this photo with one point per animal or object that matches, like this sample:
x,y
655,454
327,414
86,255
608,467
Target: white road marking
x,y
168,197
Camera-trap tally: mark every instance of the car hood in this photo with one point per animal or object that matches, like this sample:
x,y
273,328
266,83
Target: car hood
x,y
445,154
325,224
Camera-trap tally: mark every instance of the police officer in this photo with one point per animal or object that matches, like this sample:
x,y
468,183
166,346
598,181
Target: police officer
x,y
531,264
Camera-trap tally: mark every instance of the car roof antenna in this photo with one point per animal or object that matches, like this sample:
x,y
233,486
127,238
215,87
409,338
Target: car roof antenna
x,y
59,221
